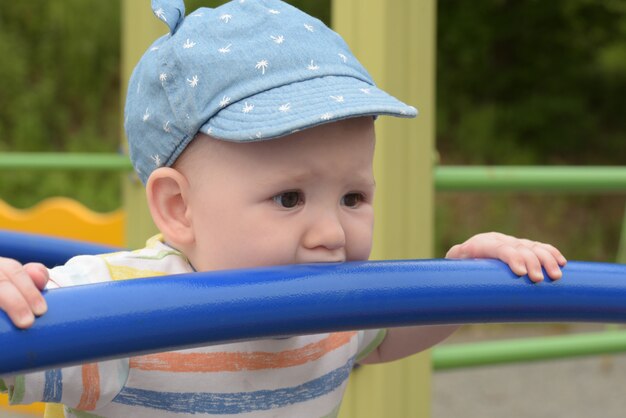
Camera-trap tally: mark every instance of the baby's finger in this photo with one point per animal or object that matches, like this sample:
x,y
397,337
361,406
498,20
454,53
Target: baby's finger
x,y
14,272
532,263
38,273
480,246
555,253
15,306
513,258
549,262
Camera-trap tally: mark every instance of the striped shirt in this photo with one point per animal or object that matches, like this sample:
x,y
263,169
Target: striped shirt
x,y
302,376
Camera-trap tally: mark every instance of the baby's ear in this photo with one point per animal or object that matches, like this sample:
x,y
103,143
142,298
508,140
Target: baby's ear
x,y
166,190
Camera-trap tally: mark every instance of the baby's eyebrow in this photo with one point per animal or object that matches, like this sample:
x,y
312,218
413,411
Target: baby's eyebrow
x,y
301,175
365,178
296,175
272,178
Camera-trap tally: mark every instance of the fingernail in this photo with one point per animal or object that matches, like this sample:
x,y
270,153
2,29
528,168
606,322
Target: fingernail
x,y
40,308
557,275
521,269
25,320
538,274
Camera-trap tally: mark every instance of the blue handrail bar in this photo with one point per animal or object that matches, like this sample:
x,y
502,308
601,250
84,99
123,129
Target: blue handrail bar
x,y
217,307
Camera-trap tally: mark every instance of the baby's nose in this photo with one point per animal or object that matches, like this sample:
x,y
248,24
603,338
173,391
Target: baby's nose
x,y
326,232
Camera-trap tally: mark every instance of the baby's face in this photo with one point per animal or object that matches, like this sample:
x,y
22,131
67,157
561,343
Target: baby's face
x,y
304,198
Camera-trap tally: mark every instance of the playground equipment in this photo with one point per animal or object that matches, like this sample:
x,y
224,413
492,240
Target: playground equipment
x,y
44,249
181,311
63,217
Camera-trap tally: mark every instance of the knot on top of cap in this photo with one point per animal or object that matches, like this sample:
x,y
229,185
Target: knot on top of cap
x,y
172,12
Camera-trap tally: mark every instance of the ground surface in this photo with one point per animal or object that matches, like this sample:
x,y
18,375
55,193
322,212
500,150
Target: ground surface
x,y
575,388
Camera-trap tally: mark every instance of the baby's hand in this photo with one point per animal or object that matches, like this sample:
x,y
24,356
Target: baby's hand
x,y
20,291
523,256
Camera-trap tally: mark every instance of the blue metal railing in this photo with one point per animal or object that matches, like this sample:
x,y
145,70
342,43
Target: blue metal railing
x,y
295,300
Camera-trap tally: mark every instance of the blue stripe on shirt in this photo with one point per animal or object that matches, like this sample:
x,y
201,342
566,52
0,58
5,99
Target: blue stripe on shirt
x,y
235,403
53,388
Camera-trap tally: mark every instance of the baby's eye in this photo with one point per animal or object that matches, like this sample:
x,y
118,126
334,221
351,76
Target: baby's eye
x,y
352,200
289,200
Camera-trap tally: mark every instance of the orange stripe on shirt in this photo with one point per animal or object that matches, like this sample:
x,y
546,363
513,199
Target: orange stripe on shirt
x,y
231,362
91,388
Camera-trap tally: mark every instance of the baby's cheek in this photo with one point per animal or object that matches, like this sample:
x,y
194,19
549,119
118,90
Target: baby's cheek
x,y
359,256
359,244
268,252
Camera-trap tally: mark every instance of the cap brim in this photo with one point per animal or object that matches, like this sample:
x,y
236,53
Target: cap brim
x,y
305,104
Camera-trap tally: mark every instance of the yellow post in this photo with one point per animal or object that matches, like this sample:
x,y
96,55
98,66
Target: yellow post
x,y
396,43
139,29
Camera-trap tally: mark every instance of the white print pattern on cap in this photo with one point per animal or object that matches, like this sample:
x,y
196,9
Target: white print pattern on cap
x,y
160,13
262,65
225,101
278,39
157,160
193,83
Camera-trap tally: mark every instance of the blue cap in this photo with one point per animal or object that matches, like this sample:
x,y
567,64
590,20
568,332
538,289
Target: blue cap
x,y
249,70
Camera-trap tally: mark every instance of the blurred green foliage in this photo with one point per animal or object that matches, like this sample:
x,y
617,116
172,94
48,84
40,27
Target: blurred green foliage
x,y
532,82
60,92
317,8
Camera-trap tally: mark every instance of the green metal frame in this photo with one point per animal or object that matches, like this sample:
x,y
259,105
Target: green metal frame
x,y
455,356
64,161
587,179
